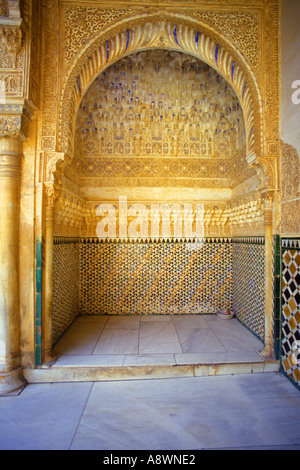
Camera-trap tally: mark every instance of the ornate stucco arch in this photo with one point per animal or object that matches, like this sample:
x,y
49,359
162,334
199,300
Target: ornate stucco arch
x,y
171,31
174,32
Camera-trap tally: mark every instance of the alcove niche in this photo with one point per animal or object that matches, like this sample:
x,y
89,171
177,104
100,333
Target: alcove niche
x,y
158,212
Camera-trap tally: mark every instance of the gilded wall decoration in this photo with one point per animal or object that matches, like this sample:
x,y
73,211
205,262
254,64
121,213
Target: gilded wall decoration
x,y
50,72
75,216
290,221
160,118
102,36
290,173
146,32
270,80
11,52
35,53
242,27
81,24
4,8
290,189
177,103
10,125
12,61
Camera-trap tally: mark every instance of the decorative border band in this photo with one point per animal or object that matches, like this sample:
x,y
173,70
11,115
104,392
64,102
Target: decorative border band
x,y
248,240
290,243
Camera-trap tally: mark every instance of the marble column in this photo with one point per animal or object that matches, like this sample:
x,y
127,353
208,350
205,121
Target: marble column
x,y
47,356
268,351
11,374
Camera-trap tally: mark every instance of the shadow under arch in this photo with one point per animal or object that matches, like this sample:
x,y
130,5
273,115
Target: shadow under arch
x,y
163,30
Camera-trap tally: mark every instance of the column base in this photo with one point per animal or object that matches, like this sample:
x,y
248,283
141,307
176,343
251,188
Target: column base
x,y
12,383
267,353
49,357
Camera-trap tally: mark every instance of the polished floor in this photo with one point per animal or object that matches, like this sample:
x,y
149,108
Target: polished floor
x,y
240,412
156,339
232,411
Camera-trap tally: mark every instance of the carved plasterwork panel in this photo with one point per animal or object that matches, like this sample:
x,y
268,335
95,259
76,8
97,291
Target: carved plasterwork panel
x,y
270,49
290,173
238,40
242,27
14,121
290,211
160,118
3,8
81,23
241,217
290,189
12,61
174,33
50,75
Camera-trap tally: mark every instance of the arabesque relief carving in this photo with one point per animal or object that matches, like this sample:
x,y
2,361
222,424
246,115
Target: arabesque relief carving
x,y
175,113
12,61
4,8
242,217
290,189
83,22
143,151
180,36
240,26
101,35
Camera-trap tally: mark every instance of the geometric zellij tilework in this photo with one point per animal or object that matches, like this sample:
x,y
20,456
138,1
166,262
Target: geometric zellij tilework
x,y
155,278
248,270
66,286
291,312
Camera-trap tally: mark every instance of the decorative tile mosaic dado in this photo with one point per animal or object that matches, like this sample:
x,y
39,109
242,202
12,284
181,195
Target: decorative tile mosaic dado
x,y
158,277
155,278
248,269
66,285
290,251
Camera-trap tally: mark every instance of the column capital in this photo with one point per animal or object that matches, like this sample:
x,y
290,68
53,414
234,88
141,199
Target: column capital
x,y
14,120
268,198
49,194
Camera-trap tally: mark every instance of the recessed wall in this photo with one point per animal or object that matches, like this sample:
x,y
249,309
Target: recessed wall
x,y
92,277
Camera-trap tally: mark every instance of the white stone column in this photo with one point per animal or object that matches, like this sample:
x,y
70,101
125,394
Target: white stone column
x,y
48,275
268,351
11,374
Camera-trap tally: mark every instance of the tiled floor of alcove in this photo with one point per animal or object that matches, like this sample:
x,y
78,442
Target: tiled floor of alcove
x,y
105,340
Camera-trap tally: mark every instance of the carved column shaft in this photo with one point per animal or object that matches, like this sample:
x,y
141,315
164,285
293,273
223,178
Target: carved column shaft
x,y
48,275
11,377
268,222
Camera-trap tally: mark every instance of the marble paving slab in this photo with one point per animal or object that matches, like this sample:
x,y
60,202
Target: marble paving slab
x,y
155,339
